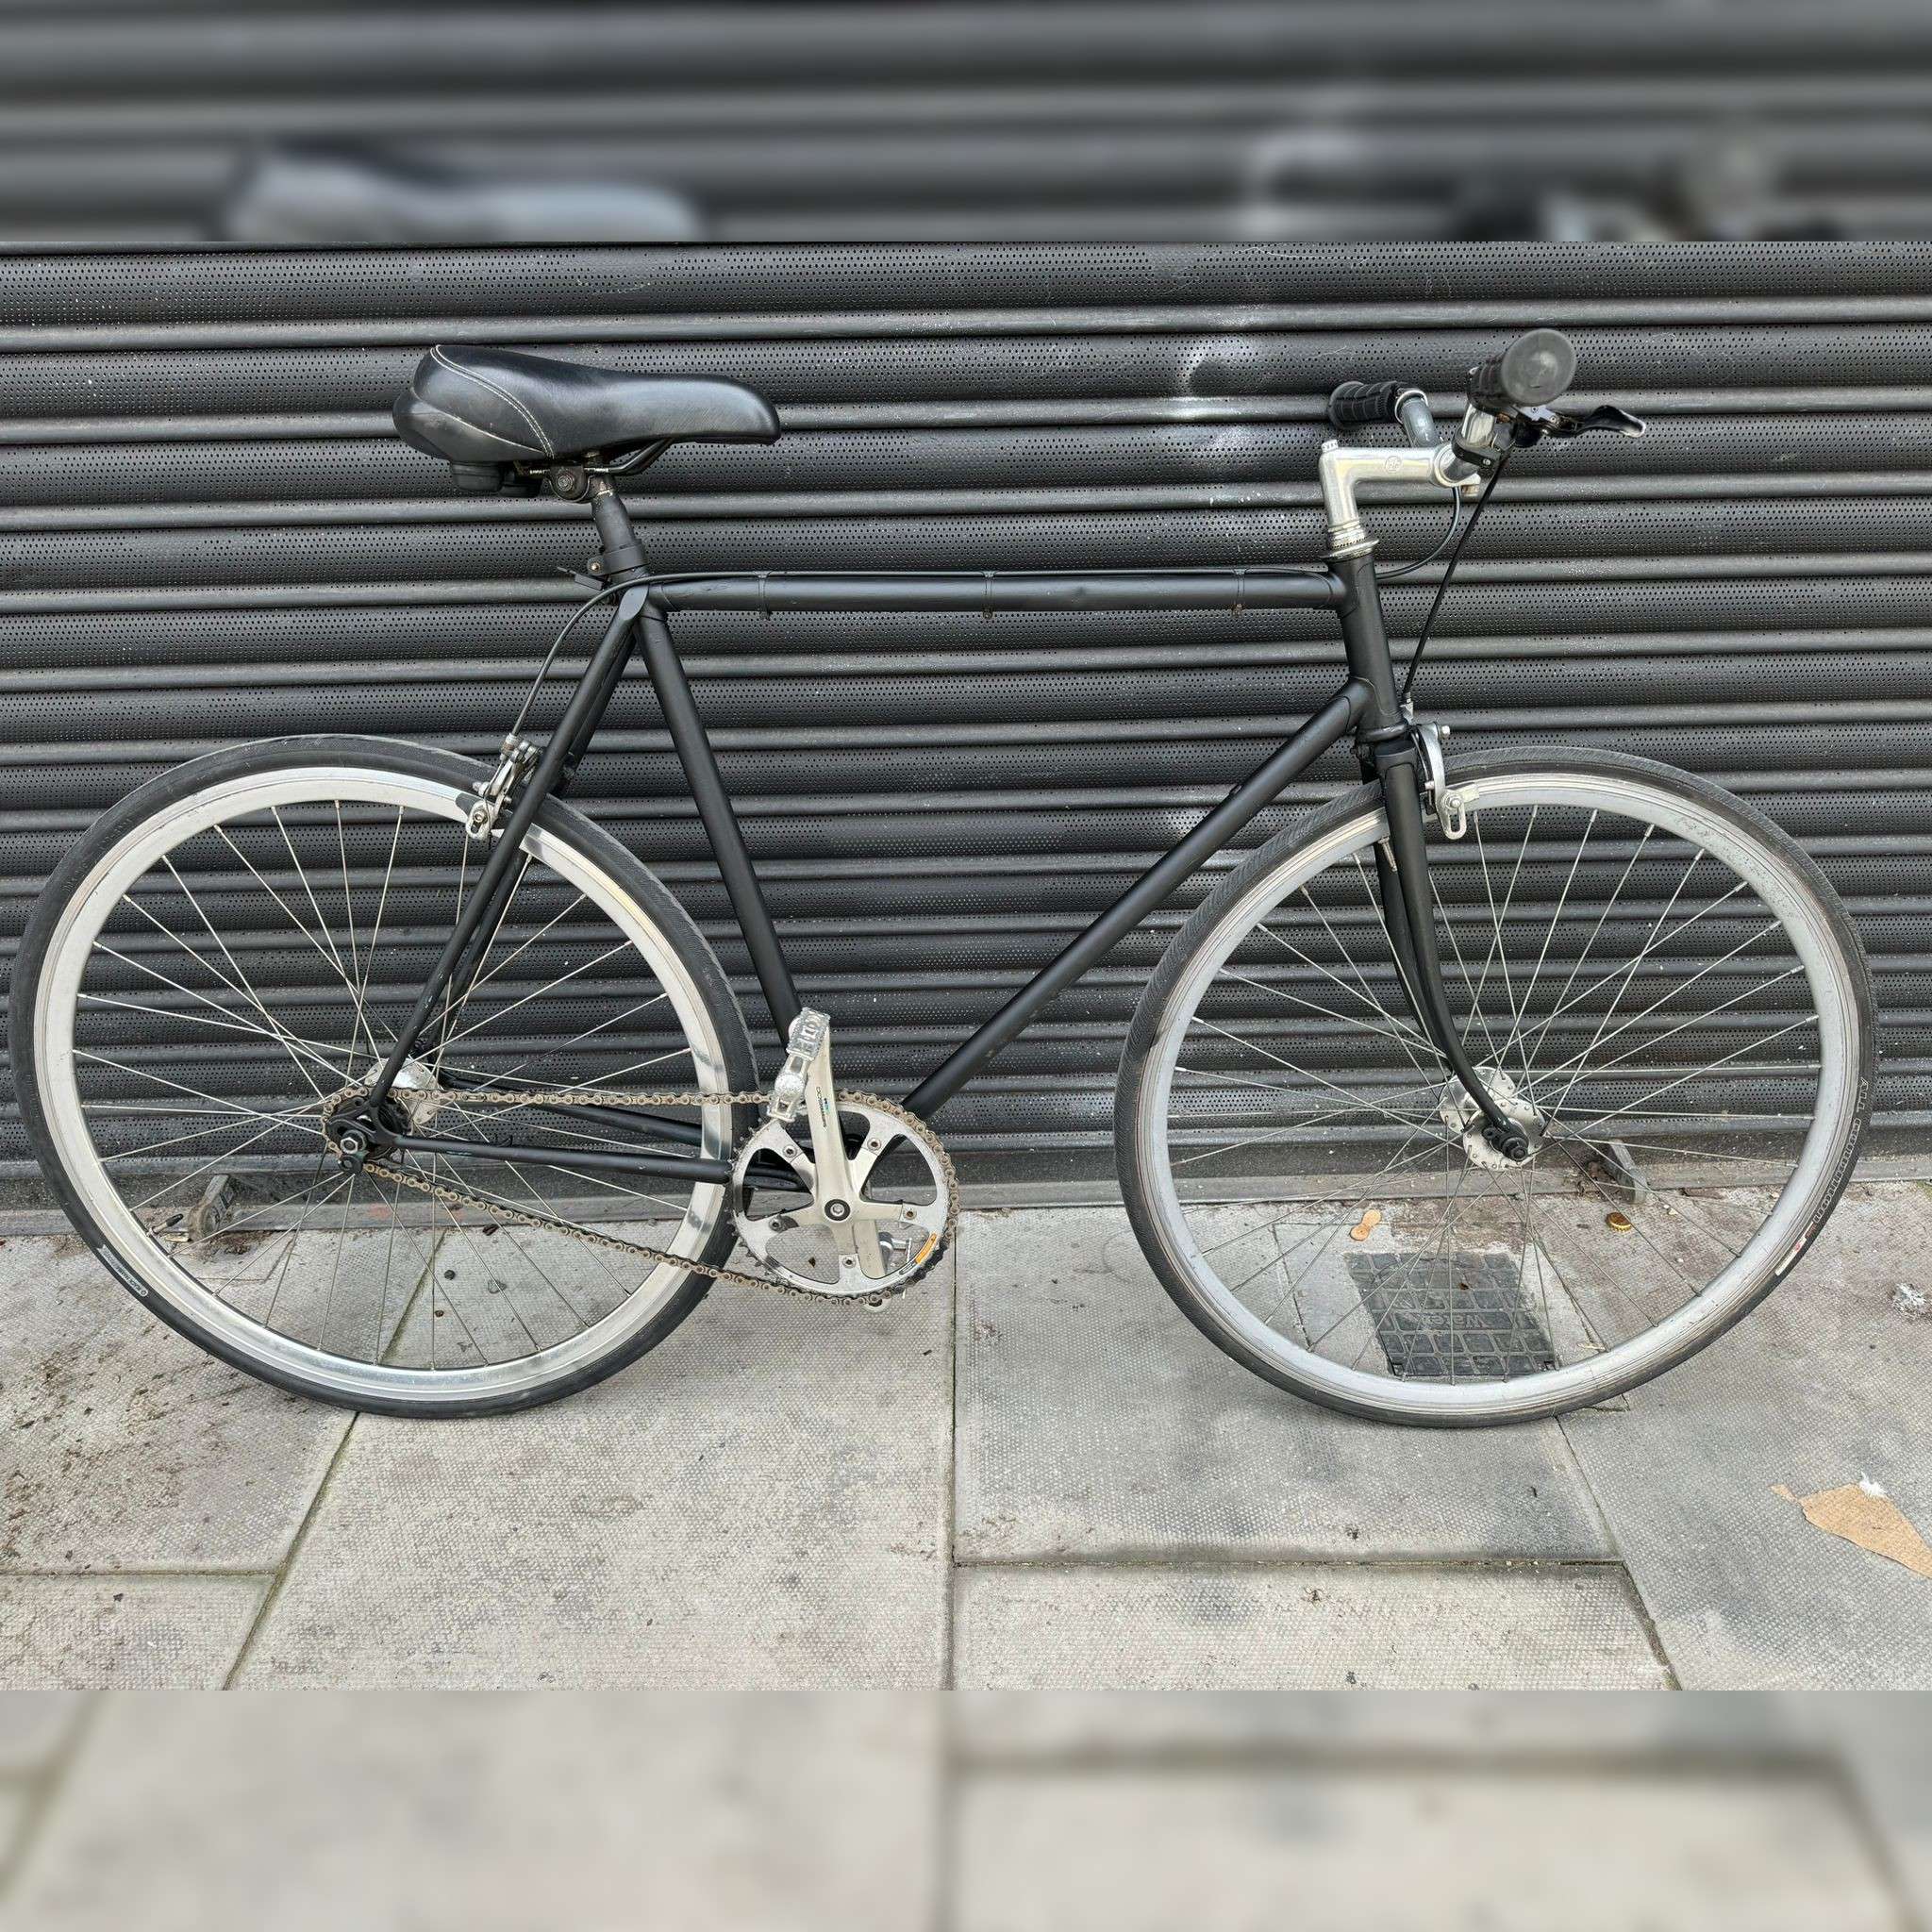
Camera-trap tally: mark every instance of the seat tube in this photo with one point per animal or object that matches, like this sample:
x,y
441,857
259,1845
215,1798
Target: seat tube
x,y
713,802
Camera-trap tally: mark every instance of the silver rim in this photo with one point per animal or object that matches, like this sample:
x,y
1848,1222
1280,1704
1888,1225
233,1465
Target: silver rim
x,y
227,932
1640,966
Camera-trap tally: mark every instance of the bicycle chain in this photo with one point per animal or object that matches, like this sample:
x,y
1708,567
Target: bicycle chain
x,y
455,1196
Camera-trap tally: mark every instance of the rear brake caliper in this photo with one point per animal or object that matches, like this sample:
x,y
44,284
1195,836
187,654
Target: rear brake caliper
x,y
515,762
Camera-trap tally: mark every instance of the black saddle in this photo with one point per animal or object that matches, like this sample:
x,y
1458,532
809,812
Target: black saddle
x,y
481,407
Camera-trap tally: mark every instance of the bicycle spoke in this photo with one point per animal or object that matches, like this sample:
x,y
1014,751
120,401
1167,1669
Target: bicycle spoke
x,y
504,1012
1398,1030
244,989
327,954
283,1040
206,1088
1477,1015
1316,1080
1328,1014
227,1126
178,1087
1696,1018
477,978
1518,1040
1560,1005
1404,1035
1502,1267
362,1020
1498,947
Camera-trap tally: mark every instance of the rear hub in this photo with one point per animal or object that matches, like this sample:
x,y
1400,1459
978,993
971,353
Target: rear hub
x,y
355,1129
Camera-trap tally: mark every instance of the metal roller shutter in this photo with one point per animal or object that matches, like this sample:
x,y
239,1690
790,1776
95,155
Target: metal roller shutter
x,y
814,122
208,535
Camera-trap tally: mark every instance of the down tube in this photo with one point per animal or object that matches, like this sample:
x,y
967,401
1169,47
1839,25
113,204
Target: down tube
x,y
1328,727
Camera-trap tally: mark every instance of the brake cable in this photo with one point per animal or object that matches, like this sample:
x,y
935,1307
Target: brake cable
x,y
555,646
1422,641
1408,570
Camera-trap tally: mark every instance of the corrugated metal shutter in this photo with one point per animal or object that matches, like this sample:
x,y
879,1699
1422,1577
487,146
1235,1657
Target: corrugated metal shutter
x,y
991,122
208,534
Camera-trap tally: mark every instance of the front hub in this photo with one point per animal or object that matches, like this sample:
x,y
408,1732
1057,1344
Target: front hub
x,y
1485,1146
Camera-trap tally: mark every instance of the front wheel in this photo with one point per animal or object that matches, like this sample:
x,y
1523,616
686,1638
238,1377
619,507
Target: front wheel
x,y
1652,978
221,965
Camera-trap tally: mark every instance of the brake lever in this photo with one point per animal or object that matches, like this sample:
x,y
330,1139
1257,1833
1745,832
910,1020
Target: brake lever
x,y
1552,423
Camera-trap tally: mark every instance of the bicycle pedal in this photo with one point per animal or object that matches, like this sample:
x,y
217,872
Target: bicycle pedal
x,y
802,1045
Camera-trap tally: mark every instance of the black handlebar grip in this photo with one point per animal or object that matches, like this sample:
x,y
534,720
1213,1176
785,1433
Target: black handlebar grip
x,y
1364,402
1535,369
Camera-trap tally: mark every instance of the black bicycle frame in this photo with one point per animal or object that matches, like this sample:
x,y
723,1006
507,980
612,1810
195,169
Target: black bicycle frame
x,y
1366,706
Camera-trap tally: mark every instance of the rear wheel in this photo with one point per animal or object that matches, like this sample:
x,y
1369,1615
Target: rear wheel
x,y
226,957
1652,978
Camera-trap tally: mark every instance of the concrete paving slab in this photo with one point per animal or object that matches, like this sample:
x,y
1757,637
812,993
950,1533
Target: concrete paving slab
x,y
1095,1420
14,1807
1309,1627
761,1502
1886,1744
492,1814
137,1633
127,1447
1353,1852
33,1726
1628,1729
1825,1383
499,1290
322,1282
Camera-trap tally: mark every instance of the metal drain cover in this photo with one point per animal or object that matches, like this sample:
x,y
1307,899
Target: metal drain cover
x,y
1451,1318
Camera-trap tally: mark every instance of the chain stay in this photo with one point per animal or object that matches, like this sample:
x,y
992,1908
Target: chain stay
x,y
454,1196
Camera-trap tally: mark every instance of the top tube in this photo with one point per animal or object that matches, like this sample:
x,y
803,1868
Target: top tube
x,y
1264,588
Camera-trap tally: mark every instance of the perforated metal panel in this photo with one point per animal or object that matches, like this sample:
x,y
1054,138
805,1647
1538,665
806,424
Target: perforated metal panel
x,y
960,118
208,534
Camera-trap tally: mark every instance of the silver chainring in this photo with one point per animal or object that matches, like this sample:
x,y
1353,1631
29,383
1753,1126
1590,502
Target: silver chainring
x,y
898,1220
905,1124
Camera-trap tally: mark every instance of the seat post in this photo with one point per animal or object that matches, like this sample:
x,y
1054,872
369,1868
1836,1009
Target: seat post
x,y
621,554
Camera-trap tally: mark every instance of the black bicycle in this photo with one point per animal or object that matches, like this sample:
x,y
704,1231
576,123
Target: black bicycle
x,y
1494,1088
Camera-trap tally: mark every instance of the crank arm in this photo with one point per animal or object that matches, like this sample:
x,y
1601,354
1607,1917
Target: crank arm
x,y
807,1084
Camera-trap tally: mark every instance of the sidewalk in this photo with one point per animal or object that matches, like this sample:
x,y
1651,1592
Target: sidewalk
x,y
1031,1471
985,1812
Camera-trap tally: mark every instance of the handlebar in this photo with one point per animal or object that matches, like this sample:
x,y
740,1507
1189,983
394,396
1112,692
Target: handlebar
x,y
1385,402
1532,372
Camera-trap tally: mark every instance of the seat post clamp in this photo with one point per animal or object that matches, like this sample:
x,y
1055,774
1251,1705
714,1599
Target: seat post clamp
x,y
621,551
